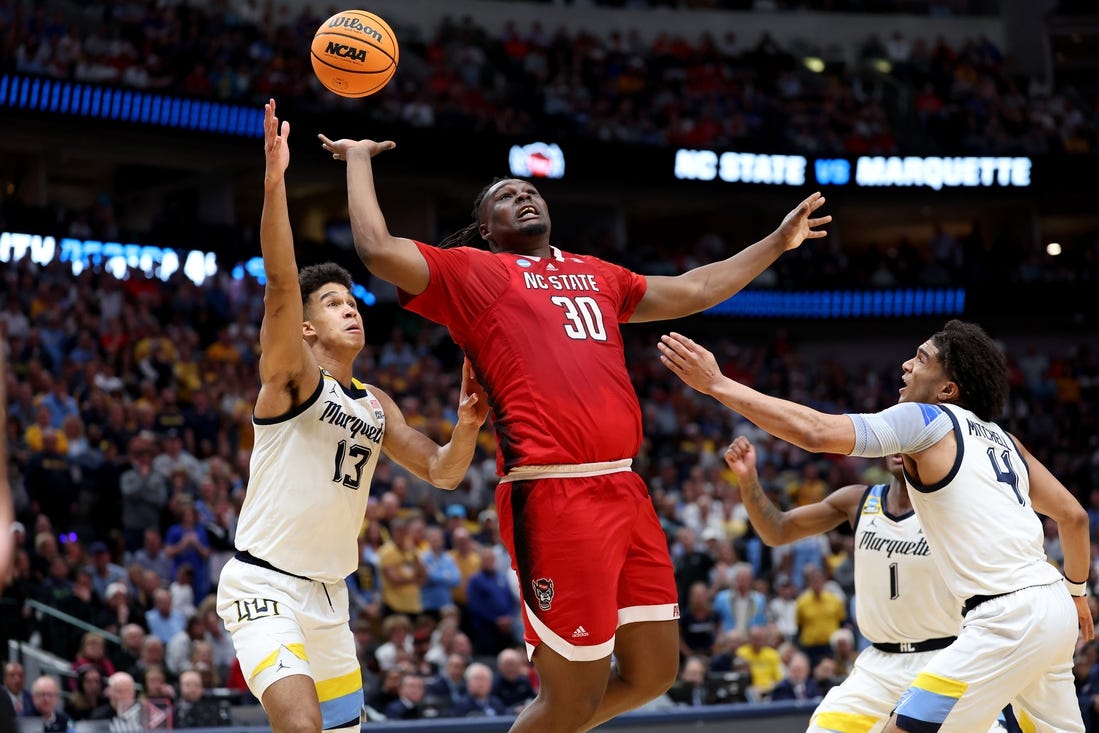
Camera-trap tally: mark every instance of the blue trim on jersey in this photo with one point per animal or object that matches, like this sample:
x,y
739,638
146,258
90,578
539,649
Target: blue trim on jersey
x,y
342,711
927,709
886,512
862,507
1022,457
917,726
355,393
953,472
929,412
294,411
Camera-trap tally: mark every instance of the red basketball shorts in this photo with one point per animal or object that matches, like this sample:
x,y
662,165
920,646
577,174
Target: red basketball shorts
x,y
590,555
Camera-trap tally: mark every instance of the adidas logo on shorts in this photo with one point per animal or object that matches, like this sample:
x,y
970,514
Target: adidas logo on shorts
x,y
580,632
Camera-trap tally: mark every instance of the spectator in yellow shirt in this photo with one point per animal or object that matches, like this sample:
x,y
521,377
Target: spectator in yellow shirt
x,y
820,612
763,660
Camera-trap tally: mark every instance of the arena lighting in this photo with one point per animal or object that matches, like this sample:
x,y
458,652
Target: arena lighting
x,y
118,259
128,105
114,257
1053,249
815,64
254,268
834,304
537,160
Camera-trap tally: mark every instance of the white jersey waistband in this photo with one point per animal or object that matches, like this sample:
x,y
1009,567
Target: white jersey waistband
x,y
567,470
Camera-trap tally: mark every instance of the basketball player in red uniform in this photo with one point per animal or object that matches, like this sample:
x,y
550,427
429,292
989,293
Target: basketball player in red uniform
x,y
541,327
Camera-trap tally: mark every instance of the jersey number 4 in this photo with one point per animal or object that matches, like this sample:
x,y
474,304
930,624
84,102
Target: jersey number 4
x,y
358,453
585,318
1006,475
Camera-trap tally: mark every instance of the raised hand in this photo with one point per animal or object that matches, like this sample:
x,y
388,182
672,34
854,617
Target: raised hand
x,y
740,456
690,362
274,141
340,149
473,406
799,224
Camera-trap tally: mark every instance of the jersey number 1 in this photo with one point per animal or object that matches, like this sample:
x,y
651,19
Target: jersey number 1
x,y
360,452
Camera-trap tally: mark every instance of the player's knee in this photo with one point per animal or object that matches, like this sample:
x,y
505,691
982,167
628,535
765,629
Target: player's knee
x,y
303,720
653,678
665,678
565,711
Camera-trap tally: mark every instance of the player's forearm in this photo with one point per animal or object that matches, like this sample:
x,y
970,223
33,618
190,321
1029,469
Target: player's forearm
x,y
367,221
781,418
451,461
767,519
1073,531
718,281
276,238
7,508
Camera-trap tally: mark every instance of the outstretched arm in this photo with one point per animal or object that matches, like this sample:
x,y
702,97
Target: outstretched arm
x,y
708,285
808,429
285,361
774,526
393,259
441,465
1049,496
7,507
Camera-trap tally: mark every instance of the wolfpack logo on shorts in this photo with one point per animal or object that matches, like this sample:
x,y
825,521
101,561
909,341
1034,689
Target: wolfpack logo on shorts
x,y
543,591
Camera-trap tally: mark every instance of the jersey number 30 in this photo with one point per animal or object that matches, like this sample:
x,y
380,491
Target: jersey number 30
x,y
585,318
358,453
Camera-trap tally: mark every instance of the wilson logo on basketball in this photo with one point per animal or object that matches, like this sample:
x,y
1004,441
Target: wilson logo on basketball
x,y
345,52
354,24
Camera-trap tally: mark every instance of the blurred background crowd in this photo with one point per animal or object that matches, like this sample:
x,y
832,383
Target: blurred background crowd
x,y
885,94
130,399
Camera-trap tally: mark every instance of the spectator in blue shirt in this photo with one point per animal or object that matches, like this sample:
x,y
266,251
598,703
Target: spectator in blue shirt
x,y
442,573
478,700
491,608
187,544
103,571
163,621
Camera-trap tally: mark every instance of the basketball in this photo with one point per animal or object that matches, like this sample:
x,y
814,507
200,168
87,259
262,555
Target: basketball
x,y
354,53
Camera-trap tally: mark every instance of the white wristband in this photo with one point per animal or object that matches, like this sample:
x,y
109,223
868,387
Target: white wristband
x,y
1078,590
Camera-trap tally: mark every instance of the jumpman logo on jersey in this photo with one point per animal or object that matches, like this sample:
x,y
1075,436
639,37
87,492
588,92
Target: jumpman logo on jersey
x,y
282,666
334,390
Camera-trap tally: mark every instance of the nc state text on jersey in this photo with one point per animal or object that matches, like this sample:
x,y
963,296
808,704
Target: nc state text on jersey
x,y
536,281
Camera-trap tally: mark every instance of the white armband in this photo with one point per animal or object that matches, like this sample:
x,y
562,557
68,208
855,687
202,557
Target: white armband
x,y
908,427
1076,590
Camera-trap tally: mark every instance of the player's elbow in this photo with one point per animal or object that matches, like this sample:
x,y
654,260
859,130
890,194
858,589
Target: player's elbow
x,y
371,244
1073,517
776,537
821,433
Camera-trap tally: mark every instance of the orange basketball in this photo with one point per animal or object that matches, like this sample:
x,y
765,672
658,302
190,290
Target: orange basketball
x,y
354,53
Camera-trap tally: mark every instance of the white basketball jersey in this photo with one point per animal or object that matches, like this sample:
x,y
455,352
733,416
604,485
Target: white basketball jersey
x,y
310,479
901,596
978,519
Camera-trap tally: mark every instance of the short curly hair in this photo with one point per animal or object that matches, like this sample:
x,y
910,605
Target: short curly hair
x,y
972,360
312,278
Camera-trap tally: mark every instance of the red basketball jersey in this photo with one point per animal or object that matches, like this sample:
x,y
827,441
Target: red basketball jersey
x,y
543,337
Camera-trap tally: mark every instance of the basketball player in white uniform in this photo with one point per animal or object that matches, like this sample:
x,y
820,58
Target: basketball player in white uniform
x,y
975,490
902,603
319,432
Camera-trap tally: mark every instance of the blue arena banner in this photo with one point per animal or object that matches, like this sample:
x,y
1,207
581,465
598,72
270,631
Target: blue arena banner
x,y
58,96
